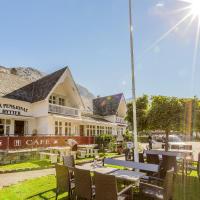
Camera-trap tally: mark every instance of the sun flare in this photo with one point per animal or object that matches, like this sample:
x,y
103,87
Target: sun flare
x,y
195,8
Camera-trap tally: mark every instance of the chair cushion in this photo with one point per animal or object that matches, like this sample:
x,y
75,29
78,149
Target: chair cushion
x,y
158,194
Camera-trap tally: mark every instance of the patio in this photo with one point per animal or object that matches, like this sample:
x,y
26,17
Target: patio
x,y
44,186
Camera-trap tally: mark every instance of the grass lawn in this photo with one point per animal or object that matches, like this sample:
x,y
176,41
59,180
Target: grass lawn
x,y
36,164
44,188
32,164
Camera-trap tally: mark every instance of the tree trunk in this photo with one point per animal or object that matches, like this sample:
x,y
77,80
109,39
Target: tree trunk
x,y
166,140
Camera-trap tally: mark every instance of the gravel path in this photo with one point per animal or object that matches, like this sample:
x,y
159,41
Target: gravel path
x,y
16,177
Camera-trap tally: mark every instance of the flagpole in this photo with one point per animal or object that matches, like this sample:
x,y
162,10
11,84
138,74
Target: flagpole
x,y
134,130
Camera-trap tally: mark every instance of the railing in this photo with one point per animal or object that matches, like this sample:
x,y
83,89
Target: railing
x,y
63,110
120,120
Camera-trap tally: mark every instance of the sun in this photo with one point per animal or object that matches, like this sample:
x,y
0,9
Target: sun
x,y
195,8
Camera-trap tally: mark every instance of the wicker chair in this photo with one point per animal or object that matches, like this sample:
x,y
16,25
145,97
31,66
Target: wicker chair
x,y
84,188
157,192
63,181
198,166
141,157
153,159
106,188
69,161
168,162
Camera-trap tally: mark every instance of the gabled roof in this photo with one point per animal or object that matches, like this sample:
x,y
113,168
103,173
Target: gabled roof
x,y
107,105
38,90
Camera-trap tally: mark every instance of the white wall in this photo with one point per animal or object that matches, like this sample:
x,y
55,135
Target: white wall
x,y
40,109
42,125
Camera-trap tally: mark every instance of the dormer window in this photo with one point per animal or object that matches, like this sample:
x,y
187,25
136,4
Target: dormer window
x,y
52,99
61,101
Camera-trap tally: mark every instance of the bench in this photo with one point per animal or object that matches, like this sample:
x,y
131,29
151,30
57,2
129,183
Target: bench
x,y
53,157
133,165
81,153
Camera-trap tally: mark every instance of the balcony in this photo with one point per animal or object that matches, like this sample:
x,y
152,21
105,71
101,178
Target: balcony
x,y
120,120
63,110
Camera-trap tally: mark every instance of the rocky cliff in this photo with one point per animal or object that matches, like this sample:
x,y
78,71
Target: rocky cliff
x,y
32,74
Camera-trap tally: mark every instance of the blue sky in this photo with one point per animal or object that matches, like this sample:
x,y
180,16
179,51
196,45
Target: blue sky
x,y
92,37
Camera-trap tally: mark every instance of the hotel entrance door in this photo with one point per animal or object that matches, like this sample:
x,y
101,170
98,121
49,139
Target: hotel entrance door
x,y
19,128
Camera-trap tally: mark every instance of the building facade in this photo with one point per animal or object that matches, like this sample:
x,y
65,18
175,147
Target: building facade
x,y
52,106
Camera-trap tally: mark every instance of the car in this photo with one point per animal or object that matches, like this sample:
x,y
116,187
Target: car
x,y
175,140
158,142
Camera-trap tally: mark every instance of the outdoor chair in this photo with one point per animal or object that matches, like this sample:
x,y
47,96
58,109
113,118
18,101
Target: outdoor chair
x,y
141,157
191,167
167,163
83,181
63,183
153,159
198,166
154,191
106,188
69,161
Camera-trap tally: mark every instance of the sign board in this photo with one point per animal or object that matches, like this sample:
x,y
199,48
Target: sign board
x,y
129,145
11,109
23,142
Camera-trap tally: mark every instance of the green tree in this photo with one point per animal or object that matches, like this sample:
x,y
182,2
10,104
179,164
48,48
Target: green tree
x,y
141,111
165,114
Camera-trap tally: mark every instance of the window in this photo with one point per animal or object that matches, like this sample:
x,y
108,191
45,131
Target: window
x,y
68,129
108,130
2,122
52,99
61,101
98,130
91,130
120,131
5,126
58,128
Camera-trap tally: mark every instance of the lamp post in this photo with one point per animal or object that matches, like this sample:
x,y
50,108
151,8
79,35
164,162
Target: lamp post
x,y
134,130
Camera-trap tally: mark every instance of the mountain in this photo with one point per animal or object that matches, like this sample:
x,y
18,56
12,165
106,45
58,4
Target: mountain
x,y
31,74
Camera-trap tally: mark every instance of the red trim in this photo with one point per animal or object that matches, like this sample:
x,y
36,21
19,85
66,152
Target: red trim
x,y
22,142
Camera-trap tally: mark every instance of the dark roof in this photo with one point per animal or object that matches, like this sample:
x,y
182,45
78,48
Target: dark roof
x,y
38,90
107,105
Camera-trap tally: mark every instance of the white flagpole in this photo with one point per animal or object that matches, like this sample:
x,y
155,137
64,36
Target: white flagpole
x,y
134,130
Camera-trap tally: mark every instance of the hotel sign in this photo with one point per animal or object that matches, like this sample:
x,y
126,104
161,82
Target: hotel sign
x,y
28,142
10,109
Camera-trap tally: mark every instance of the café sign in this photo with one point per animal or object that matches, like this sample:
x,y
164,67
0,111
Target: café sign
x,y
10,109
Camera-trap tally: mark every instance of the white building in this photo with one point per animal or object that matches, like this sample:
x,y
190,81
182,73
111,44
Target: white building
x,y
52,105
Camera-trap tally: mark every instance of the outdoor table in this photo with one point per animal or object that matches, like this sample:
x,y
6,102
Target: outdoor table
x,y
172,152
128,175
181,155
98,168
